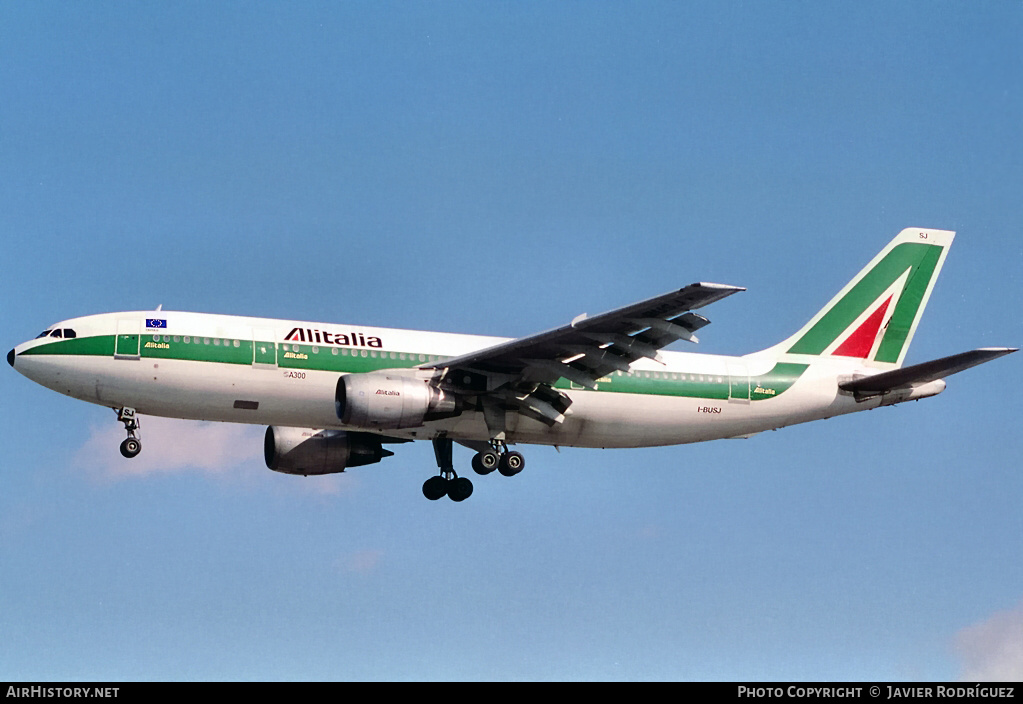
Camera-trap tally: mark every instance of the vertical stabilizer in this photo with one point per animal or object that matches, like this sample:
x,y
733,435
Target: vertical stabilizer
x,y
873,319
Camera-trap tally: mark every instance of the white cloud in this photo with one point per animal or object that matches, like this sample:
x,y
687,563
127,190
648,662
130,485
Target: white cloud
x,y
992,651
170,445
226,450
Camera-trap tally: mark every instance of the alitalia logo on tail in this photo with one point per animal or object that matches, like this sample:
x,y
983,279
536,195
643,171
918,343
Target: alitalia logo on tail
x,y
323,337
875,316
862,339
861,342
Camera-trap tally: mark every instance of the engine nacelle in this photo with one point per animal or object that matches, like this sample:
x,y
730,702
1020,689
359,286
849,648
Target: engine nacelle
x,y
390,400
308,451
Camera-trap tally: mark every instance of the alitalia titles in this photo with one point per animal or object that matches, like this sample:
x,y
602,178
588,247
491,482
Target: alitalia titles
x,y
322,337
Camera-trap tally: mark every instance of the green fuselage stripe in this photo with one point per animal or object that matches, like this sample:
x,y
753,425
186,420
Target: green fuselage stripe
x,y
349,360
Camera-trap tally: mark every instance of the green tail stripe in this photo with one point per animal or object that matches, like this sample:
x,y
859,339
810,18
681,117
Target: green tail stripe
x,y
922,259
901,324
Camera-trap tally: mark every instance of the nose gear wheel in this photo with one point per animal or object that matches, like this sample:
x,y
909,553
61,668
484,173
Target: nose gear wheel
x,y
131,446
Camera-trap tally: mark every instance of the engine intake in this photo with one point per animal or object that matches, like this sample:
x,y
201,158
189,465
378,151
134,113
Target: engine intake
x,y
308,451
387,401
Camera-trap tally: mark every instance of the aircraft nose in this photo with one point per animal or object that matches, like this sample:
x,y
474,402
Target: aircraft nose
x,y
10,358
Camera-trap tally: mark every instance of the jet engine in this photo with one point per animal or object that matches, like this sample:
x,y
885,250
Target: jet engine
x,y
308,451
387,401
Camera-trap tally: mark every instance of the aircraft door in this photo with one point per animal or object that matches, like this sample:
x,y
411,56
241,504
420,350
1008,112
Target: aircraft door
x,y
738,382
128,340
264,348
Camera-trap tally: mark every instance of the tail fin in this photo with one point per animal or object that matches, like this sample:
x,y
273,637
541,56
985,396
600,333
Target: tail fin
x,y
874,317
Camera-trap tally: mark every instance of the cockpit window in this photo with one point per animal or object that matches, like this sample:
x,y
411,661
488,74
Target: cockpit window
x,y
65,333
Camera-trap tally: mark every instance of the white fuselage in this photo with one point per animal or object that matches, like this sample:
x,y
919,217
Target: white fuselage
x,y
284,373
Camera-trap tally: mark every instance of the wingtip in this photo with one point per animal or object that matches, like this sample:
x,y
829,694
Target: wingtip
x,y
720,287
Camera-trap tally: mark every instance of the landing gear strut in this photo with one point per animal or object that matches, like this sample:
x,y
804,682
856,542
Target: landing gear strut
x,y
132,445
447,482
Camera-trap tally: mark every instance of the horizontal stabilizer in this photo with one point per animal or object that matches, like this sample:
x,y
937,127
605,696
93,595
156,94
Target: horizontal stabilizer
x,y
923,373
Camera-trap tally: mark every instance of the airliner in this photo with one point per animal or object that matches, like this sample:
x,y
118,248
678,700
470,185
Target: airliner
x,y
334,395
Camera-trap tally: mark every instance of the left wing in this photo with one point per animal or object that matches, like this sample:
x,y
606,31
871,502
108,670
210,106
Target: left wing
x,y
906,377
520,374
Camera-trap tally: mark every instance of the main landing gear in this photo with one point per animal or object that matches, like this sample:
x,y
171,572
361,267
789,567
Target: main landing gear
x,y
447,482
132,445
456,488
498,457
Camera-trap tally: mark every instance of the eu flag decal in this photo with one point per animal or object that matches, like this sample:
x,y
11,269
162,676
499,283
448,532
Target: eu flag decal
x,y
156,323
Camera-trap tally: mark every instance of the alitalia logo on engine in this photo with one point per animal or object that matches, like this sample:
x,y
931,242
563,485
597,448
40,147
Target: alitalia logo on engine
x,y
322,337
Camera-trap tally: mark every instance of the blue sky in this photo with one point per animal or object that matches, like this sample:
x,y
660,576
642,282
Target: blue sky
x,y
499,168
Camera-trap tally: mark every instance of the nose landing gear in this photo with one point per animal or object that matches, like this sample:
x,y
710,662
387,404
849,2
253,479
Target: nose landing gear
x,y
132,445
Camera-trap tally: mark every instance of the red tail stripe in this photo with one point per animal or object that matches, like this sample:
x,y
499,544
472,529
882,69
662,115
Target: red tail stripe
x,y
861,341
